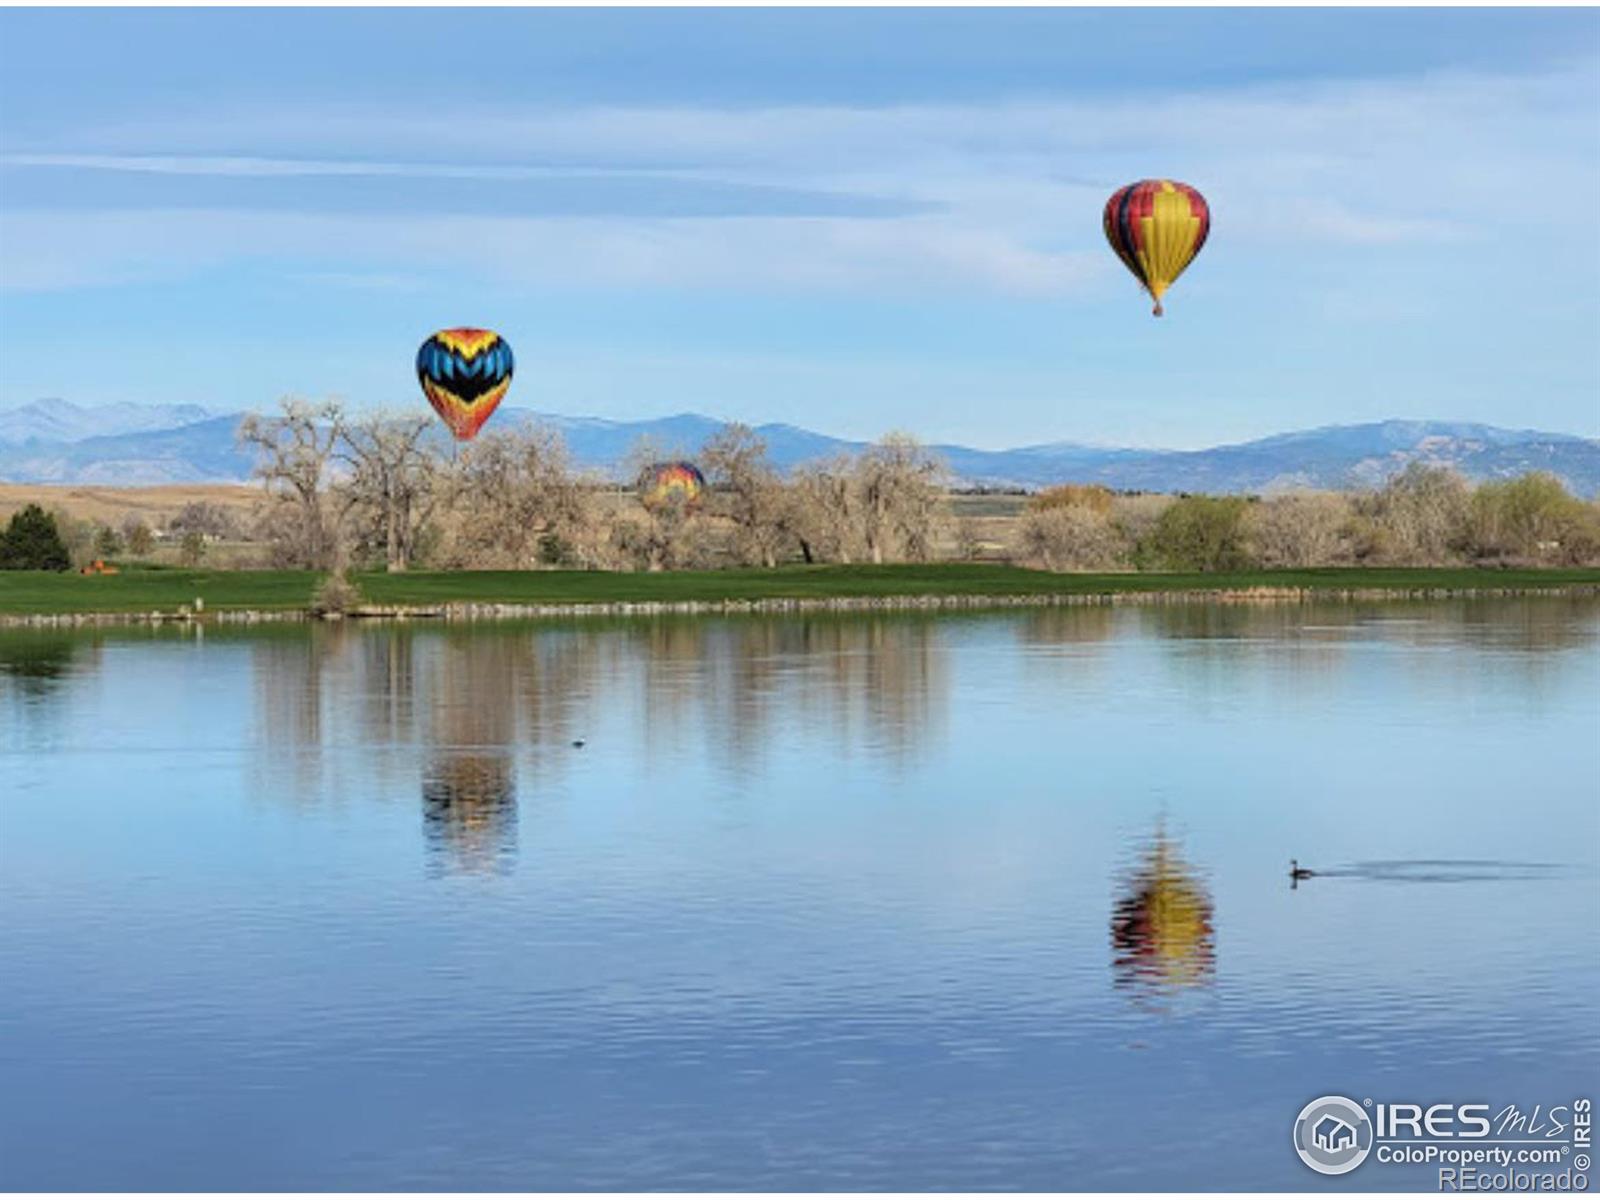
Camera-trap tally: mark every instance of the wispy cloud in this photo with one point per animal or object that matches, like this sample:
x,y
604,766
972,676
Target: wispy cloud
x,y
51,251
1000,197
256,167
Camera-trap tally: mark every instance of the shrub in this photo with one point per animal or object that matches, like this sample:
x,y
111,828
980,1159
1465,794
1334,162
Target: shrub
x,y
140,540
336,596
106,543
1308,529
1197,533
1419,518
1070,537
1532,518
193,548
32,542
1135,516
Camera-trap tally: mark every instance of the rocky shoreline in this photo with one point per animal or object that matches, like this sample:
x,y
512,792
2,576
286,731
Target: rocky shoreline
x,y
482,611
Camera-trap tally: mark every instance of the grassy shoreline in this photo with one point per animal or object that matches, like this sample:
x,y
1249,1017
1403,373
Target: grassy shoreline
x,y
135,592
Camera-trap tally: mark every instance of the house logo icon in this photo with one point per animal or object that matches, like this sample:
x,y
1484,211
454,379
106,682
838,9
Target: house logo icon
x,y
1332,1135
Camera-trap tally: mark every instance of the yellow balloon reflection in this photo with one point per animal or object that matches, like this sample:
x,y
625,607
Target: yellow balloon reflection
x,y
1162,936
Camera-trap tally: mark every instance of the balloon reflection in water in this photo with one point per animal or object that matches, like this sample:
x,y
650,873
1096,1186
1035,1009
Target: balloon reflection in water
x,y
469,811
1162,937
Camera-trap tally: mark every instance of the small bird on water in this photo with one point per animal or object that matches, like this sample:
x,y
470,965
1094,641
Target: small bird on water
x,y
577,743
1296,871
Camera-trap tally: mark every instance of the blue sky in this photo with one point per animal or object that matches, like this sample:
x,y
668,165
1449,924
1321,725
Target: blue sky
x,y
851,220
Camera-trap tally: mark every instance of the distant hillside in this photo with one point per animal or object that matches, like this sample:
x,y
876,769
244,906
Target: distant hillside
x,y
127,445
197,452
54,421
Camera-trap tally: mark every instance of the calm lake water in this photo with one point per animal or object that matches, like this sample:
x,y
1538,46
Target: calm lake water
x,y
990,901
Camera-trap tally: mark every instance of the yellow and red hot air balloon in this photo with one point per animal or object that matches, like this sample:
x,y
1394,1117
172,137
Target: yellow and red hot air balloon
x,y
1157,226
465,373
671,484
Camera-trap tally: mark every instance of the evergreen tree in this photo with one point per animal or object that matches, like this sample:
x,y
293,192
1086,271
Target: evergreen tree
x,y
31,542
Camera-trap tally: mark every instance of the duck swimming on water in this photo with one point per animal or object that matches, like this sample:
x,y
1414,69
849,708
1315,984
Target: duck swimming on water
x,y
1296,871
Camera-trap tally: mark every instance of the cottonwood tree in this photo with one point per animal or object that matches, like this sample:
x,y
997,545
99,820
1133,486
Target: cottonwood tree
x,y
205,518
885,505
391,482
901,500
1070,537
827,511
294,461
748,491
513,500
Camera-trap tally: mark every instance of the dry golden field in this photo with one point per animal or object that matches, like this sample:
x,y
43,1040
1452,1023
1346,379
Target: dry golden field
x,y
110,505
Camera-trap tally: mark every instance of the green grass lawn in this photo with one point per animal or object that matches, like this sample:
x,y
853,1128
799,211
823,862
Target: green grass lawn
x,y
136,590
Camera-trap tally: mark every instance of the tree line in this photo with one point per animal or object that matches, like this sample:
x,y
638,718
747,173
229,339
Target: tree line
x,y
373,489
1423,516
368,490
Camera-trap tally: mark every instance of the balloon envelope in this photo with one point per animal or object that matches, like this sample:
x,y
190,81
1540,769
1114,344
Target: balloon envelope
x,y
465,373
1157,226
671,483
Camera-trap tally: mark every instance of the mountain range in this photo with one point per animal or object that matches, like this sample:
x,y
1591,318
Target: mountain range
x,y
56,441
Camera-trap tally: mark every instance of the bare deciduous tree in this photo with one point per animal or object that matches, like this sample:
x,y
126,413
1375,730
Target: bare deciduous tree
x,y
390,488
827,511
512,500
205,518
1071,537
902,501
1419,517
1302,529
886,505
749,493
294,456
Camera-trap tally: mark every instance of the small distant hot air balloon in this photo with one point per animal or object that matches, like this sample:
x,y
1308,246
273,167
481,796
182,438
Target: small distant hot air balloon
x,y
1157,226
465,374
672,483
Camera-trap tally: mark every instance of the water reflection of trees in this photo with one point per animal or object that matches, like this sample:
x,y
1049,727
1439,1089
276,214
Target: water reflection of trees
x,y
873,681
1068,625
1162,932
879,684
733,689
469,804
34,662
290,671
1533,623
1307,645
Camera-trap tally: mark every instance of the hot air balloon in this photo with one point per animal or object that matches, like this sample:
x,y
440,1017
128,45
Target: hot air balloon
x,y
1157,226
671,483
465,374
